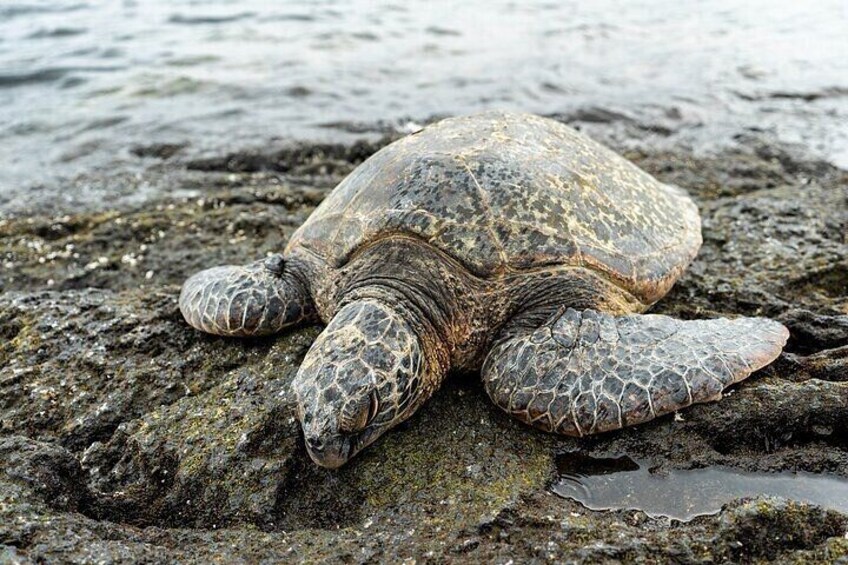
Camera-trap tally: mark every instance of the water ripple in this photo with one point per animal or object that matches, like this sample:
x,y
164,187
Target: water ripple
x,y
200,20
15,79
291,68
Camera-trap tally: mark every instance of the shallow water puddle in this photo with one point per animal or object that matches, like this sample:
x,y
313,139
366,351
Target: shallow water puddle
x,y
623,484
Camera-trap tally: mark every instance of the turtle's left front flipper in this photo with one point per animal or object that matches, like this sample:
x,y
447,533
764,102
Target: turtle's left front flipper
x,y
587,372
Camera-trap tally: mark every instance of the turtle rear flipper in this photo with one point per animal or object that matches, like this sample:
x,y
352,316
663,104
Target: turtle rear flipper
x,y
587,372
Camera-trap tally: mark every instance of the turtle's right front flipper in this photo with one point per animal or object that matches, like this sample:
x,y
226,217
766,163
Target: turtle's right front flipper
x,y
261,298
588,372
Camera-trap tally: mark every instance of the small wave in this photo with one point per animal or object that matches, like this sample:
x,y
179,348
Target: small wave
x,y
200,20
111,53
57,32
806,96
365,36
192,61
441,31
104,123
297,91
72,82
14,10
832,92
50,74
291,18
10,80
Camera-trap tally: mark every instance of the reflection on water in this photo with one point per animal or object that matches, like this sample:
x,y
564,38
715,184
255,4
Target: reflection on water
x,y
622,484
221,73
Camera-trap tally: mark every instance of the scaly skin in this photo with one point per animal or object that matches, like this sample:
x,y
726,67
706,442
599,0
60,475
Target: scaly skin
x,y
364,374
462,246
587,372
261,298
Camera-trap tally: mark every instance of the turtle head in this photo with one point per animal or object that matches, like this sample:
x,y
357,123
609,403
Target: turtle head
x,y
364,374
261,298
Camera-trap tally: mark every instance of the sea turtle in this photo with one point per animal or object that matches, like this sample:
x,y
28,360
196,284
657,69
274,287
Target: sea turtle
x,y
501,242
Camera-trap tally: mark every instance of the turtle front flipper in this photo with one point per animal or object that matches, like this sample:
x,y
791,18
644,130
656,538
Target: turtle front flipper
x,y
586,372
261,298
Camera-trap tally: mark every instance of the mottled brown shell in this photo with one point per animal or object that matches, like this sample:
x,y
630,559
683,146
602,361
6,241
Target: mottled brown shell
x,y
506,192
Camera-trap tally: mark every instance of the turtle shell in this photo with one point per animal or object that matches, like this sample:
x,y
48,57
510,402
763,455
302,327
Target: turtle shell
x,y
507,192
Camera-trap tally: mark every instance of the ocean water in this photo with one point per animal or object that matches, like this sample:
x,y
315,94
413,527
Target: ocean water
x,y
84,81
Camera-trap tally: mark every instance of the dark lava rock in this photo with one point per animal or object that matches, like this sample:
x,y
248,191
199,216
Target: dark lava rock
x,y
125,436
328,158
767,527
50,472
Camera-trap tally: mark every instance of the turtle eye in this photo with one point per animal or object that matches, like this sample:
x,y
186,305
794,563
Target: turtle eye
x,y
274,264
356,416
373,407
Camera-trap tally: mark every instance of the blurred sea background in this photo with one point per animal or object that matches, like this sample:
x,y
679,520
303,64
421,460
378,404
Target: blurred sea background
x,y
84,82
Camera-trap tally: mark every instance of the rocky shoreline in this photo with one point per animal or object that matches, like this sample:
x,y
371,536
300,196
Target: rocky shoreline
x,y
126,436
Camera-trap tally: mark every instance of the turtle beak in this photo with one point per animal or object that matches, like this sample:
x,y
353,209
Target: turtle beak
x,y
330,455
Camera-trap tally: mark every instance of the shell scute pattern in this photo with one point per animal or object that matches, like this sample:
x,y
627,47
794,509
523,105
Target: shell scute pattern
x,y
504,192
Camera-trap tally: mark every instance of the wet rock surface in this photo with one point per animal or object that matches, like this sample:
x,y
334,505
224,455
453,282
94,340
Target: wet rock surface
x,y
126,436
